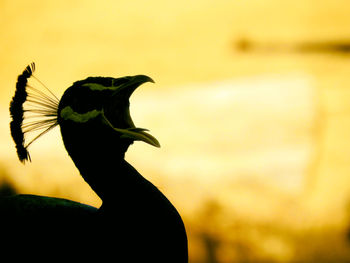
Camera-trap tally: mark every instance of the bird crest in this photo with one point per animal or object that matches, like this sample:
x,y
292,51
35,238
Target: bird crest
x,y
31,110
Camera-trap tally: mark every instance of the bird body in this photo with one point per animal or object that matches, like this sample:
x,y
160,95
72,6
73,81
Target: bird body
x,y
26,206
135,220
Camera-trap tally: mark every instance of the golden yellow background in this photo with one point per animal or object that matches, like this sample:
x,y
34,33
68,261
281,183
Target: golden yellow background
x,y
250,105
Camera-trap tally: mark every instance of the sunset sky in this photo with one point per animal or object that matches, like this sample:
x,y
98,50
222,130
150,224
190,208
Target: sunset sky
x,y
263,131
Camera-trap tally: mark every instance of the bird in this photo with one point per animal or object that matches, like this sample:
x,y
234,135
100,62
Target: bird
x,y
136,221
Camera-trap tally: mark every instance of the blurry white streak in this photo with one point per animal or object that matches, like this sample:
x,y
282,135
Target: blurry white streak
x,y
219,132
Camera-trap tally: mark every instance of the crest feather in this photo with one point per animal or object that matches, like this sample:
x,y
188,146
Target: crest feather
x,y
42,108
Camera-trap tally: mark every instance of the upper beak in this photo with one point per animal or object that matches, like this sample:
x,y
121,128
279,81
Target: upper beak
x,y
126,89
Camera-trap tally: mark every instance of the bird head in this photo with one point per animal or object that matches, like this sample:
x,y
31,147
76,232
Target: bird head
x,y
94,117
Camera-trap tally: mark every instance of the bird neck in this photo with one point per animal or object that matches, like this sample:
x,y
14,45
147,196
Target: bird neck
x,y
99,157
112,179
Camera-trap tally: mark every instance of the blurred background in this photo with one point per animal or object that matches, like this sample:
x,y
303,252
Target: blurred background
x,y
251,107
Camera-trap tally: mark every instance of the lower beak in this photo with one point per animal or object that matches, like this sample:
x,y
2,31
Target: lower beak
x,y
136,134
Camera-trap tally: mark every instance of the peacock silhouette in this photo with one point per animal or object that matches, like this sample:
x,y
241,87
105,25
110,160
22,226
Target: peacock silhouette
x,y
136,221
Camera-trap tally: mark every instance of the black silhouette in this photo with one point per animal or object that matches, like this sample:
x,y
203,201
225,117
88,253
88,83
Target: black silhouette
x,y
136,222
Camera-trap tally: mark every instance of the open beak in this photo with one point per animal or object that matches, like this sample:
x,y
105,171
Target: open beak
x,y
118,111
